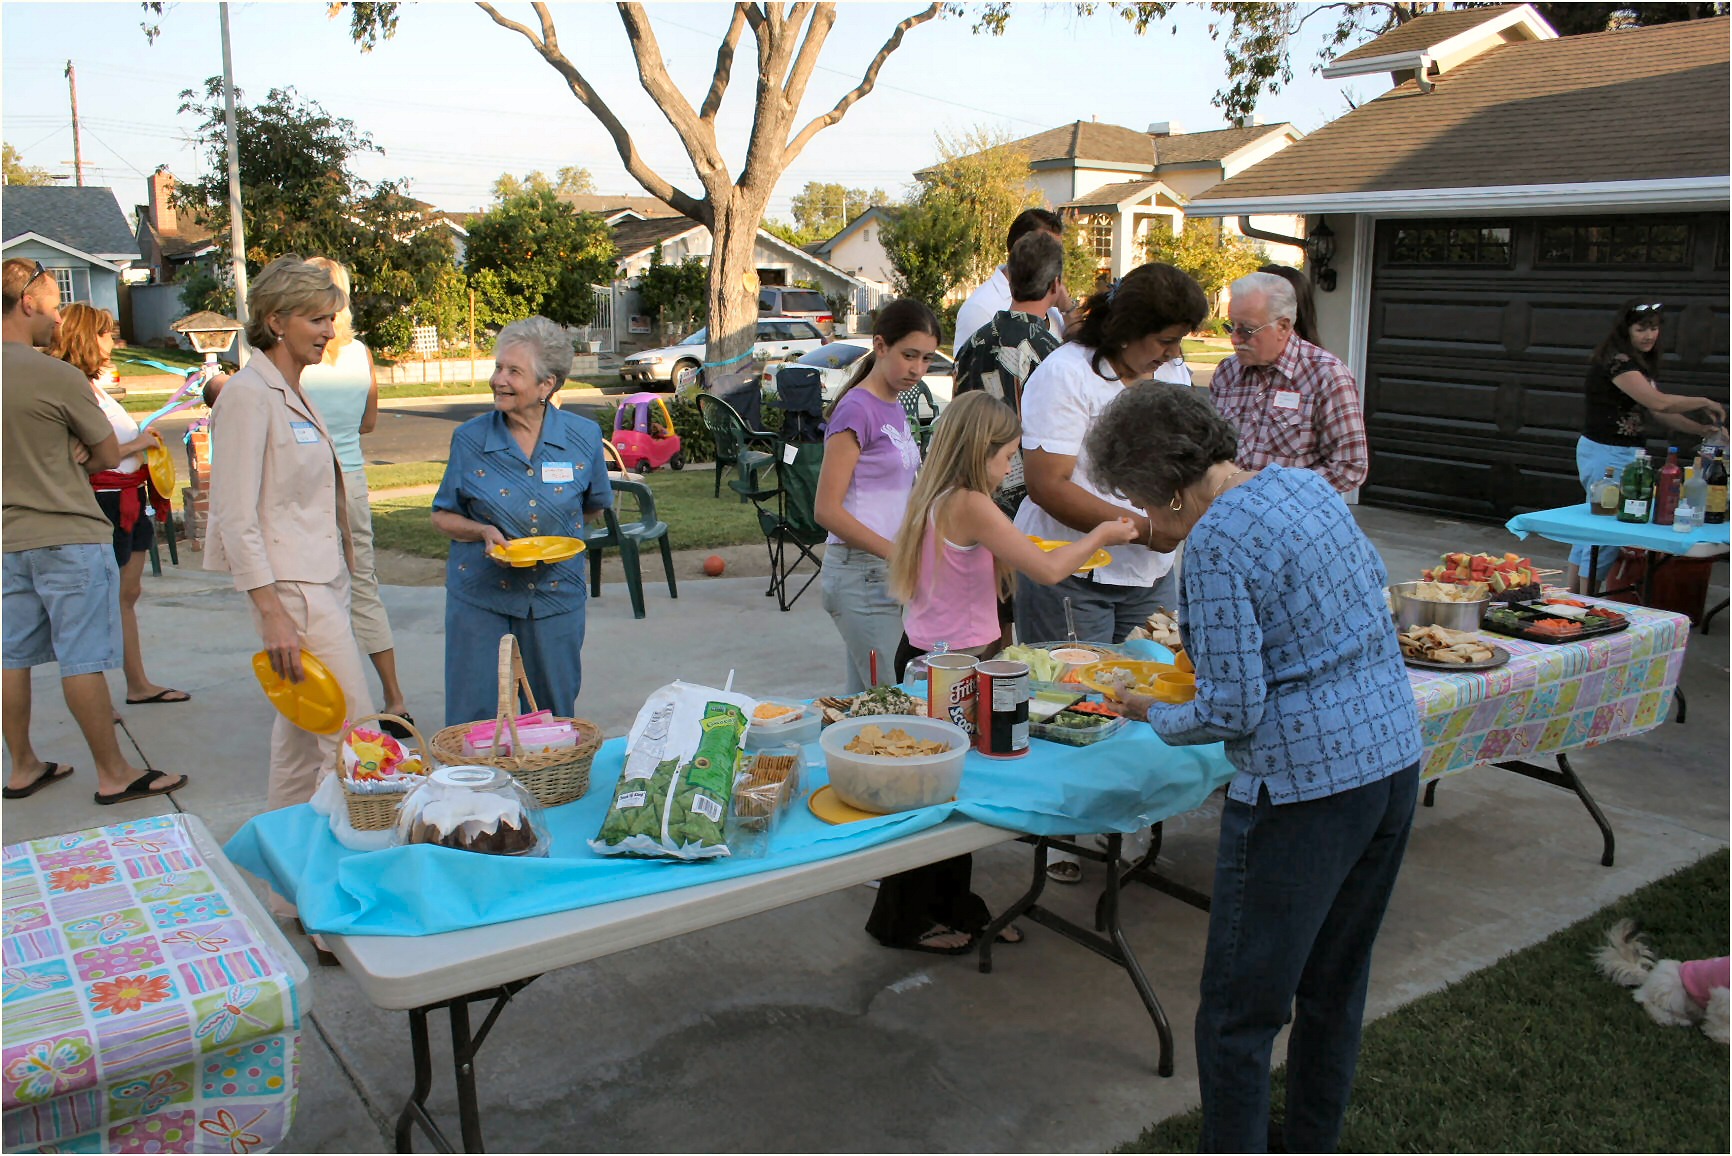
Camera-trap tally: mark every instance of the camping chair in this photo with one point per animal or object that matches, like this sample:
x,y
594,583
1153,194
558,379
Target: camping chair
x,y
787,512
914,401
628,538
734,441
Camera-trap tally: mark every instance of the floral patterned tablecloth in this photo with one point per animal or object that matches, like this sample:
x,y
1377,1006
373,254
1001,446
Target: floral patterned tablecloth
x,y
144,1009
1553,697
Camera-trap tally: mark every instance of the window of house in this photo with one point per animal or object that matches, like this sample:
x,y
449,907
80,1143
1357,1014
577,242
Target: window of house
x,y
63,279
1101,238
1630,241
1455,243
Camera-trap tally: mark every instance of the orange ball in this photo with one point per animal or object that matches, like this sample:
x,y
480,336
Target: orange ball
x,y
713,565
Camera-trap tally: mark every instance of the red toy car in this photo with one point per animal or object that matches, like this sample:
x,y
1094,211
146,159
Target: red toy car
x,y
643,434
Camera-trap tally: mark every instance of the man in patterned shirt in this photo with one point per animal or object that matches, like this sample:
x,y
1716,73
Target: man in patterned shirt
x,y
1294,403
1002,353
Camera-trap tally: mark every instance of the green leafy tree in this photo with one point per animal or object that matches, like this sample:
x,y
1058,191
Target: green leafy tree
x,y
1202,248
984,183
300,195
545,255
569,181
673,294
929,244
1082,268
19,173
821,208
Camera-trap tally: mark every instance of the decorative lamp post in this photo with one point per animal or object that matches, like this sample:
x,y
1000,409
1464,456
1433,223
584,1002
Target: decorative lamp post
x,y
210,333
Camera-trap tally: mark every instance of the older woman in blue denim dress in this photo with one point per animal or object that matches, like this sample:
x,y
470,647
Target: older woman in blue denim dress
x,y
526,469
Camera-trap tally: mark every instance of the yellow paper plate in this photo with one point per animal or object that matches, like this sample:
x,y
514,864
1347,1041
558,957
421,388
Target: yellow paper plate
x,y
828,806
523,552
1143,671
314,704
161,465
1095,561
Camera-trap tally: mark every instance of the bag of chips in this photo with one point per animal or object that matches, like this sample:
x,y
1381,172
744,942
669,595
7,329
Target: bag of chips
x,y
682,756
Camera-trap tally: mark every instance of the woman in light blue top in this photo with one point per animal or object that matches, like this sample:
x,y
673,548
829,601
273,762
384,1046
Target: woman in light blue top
x,y
342,389
1298,672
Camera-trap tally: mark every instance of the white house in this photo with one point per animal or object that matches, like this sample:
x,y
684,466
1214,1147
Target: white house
x,y
858,247
1118,183
1485,218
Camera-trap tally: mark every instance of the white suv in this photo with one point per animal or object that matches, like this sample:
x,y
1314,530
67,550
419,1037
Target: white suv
x,y
778,339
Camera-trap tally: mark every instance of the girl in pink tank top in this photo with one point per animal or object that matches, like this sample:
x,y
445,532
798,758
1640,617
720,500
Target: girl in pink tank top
x,y
956,550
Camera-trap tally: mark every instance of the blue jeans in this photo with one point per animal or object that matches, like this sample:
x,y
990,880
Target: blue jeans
x,y
1103,613
856,585
1592,458
552,649
1300,892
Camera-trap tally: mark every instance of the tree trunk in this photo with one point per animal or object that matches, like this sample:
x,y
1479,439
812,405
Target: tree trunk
x,y
733,287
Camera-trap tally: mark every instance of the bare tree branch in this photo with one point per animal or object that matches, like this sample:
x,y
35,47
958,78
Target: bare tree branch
x,y
807,58
696,134
865,85
724,65
652,181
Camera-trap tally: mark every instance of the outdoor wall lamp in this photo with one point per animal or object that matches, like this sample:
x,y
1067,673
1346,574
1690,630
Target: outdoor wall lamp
x,y
1320,250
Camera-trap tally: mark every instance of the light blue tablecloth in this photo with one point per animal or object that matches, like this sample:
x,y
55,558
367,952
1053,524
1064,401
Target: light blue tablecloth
x,y
1121,784
1578,526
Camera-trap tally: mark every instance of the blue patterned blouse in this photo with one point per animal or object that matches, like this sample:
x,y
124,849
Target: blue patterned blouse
x,y
487,479
1298,669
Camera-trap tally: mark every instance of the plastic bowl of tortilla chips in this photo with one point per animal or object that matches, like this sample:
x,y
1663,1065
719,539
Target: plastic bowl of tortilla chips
x,y
894,762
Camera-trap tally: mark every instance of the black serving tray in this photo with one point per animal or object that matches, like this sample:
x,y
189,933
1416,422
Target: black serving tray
x,y
1591,628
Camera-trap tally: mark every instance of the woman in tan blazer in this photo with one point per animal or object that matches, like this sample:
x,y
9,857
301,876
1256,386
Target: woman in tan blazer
x,y
276,511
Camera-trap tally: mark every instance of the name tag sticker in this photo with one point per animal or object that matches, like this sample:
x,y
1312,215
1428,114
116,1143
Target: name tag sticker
x,y
1286,399
305,432
557,472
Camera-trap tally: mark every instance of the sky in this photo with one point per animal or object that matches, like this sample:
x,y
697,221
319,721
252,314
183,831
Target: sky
x,y
454,100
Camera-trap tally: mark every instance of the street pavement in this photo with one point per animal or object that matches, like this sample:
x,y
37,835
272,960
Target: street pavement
x,y
793,1030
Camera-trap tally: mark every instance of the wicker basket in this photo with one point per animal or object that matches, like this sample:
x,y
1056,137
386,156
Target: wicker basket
x,y
376,812
553,777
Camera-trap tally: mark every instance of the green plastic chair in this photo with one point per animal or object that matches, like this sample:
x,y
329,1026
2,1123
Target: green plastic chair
x,y
629,537
734,441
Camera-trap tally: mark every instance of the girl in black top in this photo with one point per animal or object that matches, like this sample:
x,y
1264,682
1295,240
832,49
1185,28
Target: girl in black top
x,y
1620,395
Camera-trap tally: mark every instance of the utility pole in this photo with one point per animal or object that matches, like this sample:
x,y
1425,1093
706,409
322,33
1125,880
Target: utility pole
x,y
77,149
237,233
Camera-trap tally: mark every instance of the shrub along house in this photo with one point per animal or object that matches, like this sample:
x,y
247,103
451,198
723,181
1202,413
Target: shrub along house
x,y
1485,217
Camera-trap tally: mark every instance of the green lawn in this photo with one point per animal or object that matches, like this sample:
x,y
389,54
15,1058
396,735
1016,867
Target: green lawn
x,y
1537,1053
128,362
401,474
696,520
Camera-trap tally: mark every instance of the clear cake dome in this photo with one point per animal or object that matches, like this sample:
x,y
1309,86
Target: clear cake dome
x,y
481,809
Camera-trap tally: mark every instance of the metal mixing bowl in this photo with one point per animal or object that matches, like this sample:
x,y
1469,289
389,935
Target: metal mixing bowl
x,y
1410,611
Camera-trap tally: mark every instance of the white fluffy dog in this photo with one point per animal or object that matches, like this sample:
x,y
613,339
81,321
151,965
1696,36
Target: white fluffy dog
x,y
1675,995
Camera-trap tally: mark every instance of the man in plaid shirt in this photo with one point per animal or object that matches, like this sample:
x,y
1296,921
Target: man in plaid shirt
x,y
1293,403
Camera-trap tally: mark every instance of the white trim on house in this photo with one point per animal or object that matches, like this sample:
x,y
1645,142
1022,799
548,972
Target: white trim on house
x,y
1085,163
871,211
1453,50
1664,193
39,239
1415,60
764,236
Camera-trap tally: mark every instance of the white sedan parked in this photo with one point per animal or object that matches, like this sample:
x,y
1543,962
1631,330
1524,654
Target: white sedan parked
x,y
835,365
779,339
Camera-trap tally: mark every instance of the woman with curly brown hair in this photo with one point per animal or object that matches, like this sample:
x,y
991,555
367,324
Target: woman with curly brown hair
x,y
85,341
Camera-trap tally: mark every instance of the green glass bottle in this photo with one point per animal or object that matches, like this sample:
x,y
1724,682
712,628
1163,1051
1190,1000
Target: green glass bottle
x,y
1636,490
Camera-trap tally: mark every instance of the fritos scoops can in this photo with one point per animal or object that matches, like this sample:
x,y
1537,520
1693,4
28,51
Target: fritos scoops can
x,y
1002,690
950,689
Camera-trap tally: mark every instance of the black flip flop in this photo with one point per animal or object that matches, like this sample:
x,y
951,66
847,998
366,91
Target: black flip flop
x,y
396,729
1005,935
161,696
139,788
936,931
51,773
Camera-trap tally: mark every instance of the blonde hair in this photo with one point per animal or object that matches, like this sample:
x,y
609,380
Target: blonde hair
x,y
971,430
288,285
75,342
345,325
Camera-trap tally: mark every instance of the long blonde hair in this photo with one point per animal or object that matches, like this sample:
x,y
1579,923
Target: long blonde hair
x,y
345,322
971,430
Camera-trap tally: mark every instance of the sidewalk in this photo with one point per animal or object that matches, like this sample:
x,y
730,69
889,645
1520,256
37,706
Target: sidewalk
x,y
792,1030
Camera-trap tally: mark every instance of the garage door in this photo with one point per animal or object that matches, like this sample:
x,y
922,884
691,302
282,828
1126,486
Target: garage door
x,y
1480,333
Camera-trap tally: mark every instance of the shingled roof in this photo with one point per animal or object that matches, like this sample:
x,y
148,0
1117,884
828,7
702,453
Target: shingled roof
x,y
1111,196
1424,31
634,236
1215,145
1641,104
88,219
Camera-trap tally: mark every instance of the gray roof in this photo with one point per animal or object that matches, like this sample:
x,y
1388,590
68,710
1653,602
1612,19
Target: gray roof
x,y
87,219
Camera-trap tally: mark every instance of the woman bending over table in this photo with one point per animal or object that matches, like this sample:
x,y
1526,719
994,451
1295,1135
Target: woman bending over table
x,y
1621,392
1298,672
85,340
277,519
525,470
869,462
